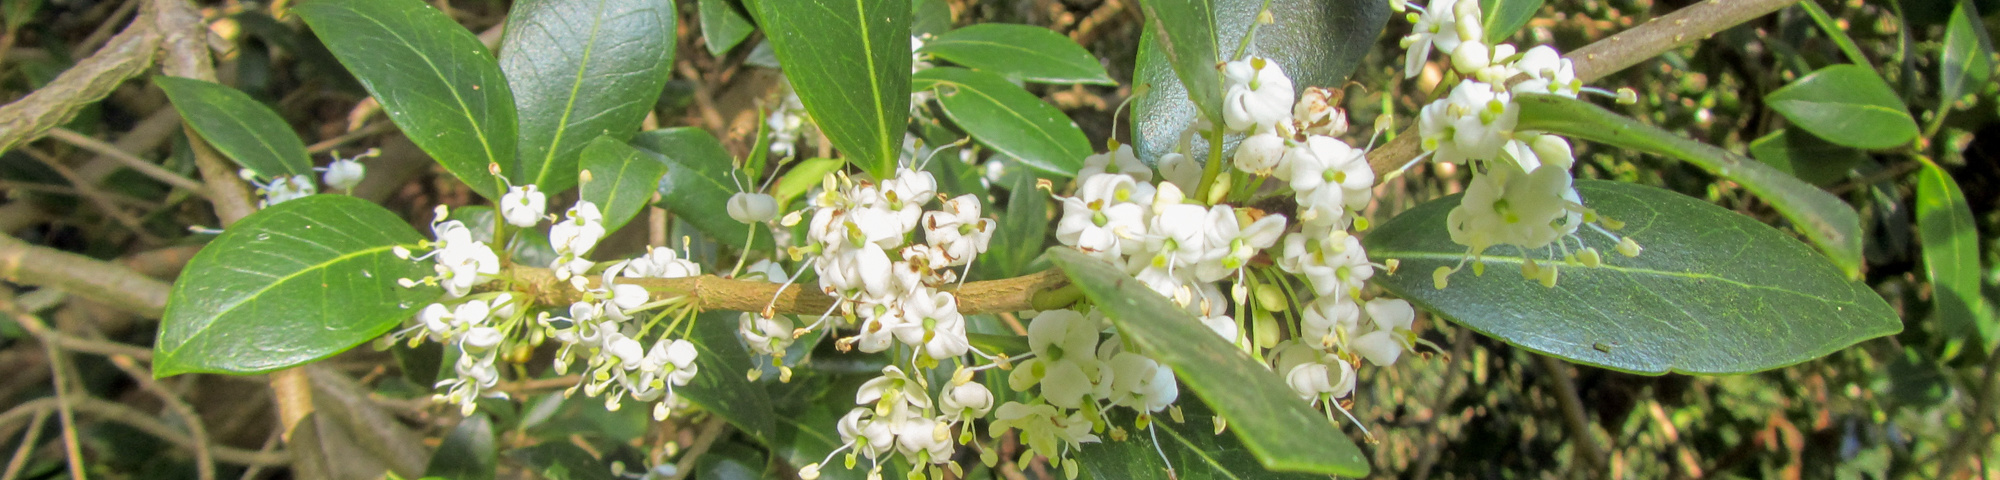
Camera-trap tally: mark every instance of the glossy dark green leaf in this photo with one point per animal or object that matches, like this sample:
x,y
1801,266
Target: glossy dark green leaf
x,y
580,69
238,126
559,460
849,61
1026,52
1193,447
1187,36
623,180
1824,219
1272,421
723,26
803,177
1008,119
1504,17
1318,43
1806,156
290,284
1951,257
1967,60
1846,104
722,387
435,80
698,186
1714,291
468,453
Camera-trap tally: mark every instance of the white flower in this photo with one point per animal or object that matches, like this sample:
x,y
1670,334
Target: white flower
x,y
1508,207
869,436
1141,383
662,262
1231,244
1119,161
752,207
1392,319
1316,115
580,231
284,189
1328,321
1436,27
1257,94
966,401
1313,379
1064,343
1474,122
1548,72
956,232
1178,234
344,174
907,194
1103,216
765,335
522,206
1262,154
942,328
1331,180
1222,325
1332,263
1042,427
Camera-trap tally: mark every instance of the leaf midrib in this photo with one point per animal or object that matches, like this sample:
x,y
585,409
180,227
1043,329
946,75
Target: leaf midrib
x,y
1455,256
575,86
960,87
478,129
174,350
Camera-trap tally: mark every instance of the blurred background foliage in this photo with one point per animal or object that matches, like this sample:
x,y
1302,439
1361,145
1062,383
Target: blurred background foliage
x,y
1908,406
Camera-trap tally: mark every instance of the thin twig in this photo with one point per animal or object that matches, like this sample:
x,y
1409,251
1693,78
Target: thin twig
x,y
97,280
95,196
349,137
204,459
35,326
118,198
28,440
131,161
1978,433
144,422
1573,414
709,433
73,449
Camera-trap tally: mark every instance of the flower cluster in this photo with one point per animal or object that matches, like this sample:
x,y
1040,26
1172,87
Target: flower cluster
x,y
486,315
892,288
343,174
1521,192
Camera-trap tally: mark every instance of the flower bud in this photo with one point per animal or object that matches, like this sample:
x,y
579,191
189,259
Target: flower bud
x,y
752,207
344,174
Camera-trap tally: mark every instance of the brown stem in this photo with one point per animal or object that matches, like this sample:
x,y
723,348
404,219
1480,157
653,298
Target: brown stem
x,y
1573,415
144,422
1615,53
116,286
128,55
717,293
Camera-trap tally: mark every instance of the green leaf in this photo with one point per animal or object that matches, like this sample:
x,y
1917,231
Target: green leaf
x,y
1823,218
562,461
1714,292
698,186
1193,447
1846,104
288,285
1024,226
721,387
1967,60
1026,52
580,69
468,453
929,17
1318,43
1183,33
1806,156
1009,119
1271,420
1951,258
849,61
803,177
436,81
723,26
238,126
1504,17
622,179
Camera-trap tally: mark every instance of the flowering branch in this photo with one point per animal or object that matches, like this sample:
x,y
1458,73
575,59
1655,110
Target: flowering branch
x,y
717,293
1612,54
